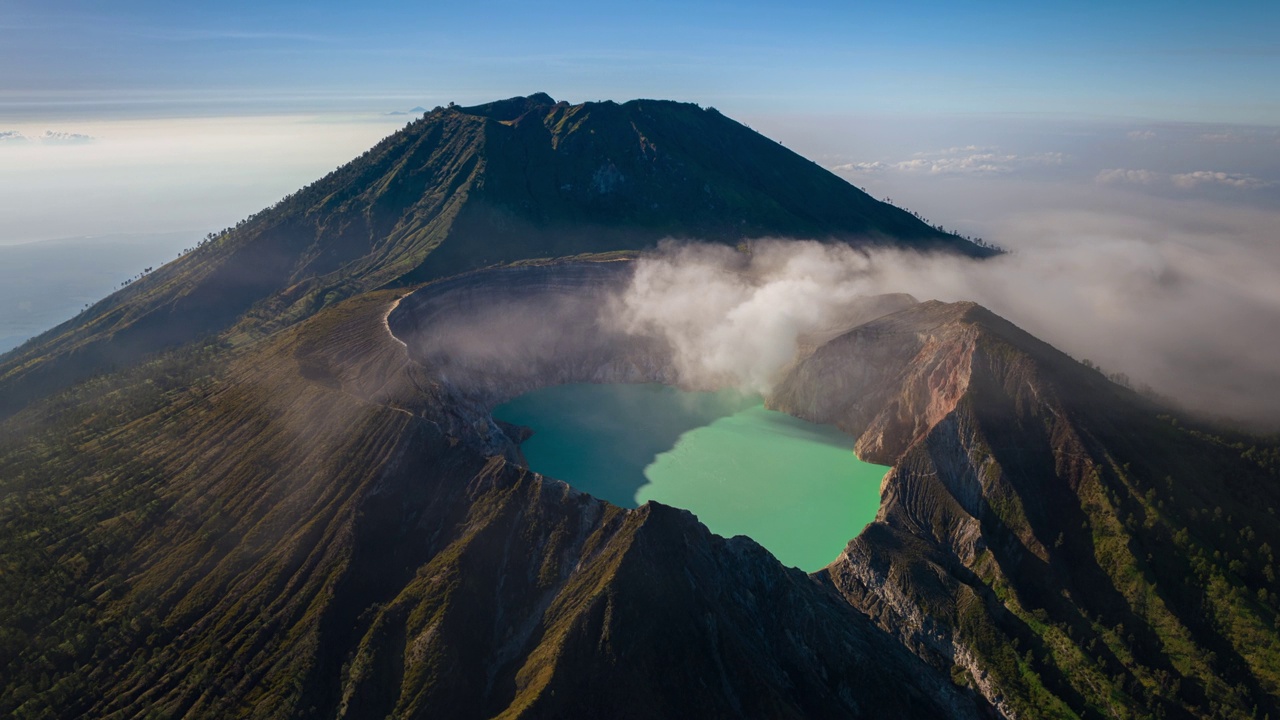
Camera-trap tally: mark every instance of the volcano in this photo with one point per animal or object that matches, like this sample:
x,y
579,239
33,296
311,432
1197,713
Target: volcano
x,y
265,481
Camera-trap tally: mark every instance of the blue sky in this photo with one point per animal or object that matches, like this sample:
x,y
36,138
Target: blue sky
x,y
1172,61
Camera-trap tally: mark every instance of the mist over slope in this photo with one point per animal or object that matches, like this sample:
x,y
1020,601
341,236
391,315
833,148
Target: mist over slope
x,y
1180,319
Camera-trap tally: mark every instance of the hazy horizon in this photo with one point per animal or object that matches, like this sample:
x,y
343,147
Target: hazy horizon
x,y
101,177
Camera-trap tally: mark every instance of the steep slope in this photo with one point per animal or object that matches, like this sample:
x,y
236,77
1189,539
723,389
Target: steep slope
x,y
1058,541
462,188
304,533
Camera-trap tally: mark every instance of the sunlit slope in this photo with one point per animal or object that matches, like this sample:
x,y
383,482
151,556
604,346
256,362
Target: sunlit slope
x,y
468,187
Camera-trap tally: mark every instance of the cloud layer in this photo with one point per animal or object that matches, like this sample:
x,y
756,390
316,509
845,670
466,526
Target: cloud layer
x,y
199,174
1208,177
53,137
50,137
964,160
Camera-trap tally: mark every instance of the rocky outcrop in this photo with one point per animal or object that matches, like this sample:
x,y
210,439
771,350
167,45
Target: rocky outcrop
x,y
886,383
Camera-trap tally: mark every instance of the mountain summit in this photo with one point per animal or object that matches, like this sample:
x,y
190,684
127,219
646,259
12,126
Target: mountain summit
x,y
467,187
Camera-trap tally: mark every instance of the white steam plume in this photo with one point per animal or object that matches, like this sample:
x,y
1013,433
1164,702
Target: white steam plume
x,y
1194,316
736,318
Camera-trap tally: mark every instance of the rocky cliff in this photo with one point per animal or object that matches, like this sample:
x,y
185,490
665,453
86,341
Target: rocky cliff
x,y
1062,544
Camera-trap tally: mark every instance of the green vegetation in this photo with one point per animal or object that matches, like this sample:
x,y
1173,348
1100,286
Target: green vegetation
x,y
1156,593
77,493
1055,537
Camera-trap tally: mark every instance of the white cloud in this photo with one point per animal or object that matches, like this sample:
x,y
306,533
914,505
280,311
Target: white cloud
x,y
1182,181
951,165
54,137
1189,181
958,150
1141,134
196,173
862,167
50,137
1134,177
1173,306
963,160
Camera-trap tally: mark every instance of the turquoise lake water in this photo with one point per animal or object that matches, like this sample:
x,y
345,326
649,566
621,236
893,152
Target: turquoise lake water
x,y
792,486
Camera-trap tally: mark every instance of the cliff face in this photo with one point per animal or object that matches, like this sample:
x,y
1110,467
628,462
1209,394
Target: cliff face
x,y
490,336
888,382
1045,533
